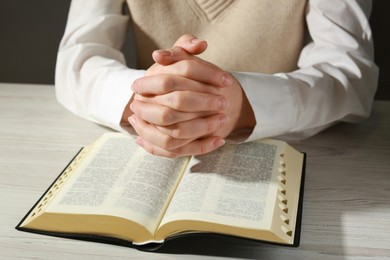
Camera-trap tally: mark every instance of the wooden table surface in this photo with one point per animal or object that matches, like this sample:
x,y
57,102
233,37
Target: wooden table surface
x,y
346,212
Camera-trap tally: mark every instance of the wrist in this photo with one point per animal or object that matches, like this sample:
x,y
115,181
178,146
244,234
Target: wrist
x,y
126,114
242,115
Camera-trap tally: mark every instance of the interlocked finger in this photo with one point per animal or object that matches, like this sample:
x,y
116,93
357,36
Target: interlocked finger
x,y
163,84
195,147
196,128
187,101
153,136
162,115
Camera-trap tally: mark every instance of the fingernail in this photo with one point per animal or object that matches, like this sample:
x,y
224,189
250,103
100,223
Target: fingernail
x,y
195,40
132,106
222,103
163,52
134,88
227,80
139,141
219,143
132,120
223,119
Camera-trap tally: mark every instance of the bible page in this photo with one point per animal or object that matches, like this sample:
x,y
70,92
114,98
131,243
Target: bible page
x,y
121,179
230,186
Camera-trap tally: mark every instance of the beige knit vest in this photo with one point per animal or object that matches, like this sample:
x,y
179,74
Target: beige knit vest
x,y
243,35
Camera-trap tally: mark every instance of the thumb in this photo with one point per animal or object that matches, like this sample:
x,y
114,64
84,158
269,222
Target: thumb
x,y
184,48
191,44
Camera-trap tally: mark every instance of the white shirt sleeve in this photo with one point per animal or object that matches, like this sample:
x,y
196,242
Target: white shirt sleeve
x,y
336,80
92,79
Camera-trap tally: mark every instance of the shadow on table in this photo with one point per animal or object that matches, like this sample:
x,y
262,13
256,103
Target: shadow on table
x,y
346,168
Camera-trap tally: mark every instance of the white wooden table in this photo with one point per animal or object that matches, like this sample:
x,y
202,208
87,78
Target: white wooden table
x,y
346,213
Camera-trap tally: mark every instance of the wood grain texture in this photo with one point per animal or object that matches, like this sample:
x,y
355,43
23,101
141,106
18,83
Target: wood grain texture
x,y
346,212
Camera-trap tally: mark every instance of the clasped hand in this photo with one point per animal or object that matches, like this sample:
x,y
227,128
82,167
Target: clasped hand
x,y
185,105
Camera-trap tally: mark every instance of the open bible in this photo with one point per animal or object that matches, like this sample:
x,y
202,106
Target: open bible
x,y
113,191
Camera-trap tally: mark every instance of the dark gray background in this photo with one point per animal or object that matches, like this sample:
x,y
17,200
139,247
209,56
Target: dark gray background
x,y
32,29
